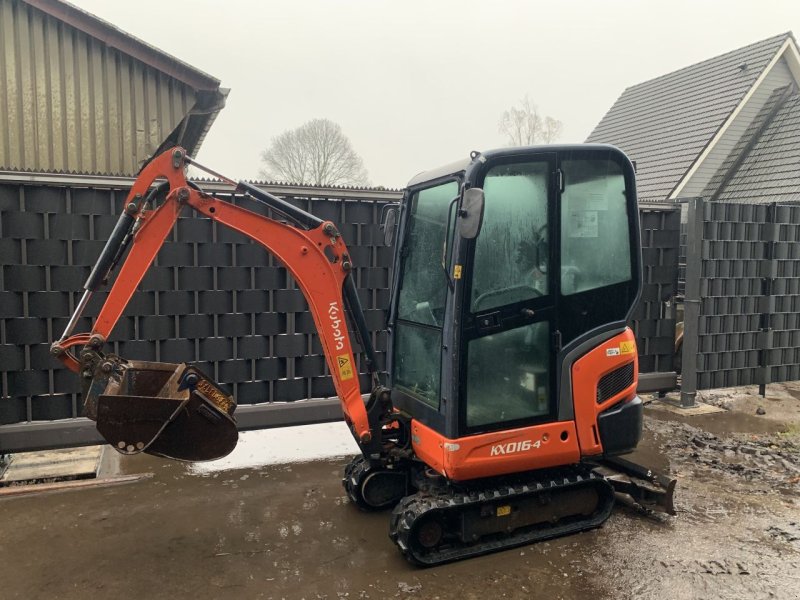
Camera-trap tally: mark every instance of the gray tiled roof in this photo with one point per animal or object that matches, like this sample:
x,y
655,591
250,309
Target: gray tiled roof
x,y
665,123
771,170
729,167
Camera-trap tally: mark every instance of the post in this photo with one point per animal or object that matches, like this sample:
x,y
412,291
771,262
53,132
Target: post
x,y
766,303
691,302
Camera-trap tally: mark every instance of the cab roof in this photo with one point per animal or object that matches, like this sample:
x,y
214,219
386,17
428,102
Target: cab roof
x,y
460,166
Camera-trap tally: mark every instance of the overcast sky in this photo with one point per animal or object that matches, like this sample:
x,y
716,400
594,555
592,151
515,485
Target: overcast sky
x,y
415,84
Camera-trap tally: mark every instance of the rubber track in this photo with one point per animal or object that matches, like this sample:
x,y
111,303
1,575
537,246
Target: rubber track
x,y
355,474
414,507
356,469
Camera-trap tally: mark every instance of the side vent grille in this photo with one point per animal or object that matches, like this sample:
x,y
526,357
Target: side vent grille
x,y
613,383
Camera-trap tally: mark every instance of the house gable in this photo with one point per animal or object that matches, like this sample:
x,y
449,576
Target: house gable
x,y
666,123
782,71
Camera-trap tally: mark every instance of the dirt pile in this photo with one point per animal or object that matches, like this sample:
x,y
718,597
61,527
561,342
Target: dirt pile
x,y
771,460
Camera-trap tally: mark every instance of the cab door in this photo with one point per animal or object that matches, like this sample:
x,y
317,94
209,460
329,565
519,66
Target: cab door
x,y
509,332
419,303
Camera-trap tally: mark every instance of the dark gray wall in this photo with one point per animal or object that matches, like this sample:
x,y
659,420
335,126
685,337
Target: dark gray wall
x,y
213,298
653,320
742,295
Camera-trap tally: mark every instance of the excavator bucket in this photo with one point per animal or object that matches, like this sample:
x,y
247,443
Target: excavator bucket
x,y
165,409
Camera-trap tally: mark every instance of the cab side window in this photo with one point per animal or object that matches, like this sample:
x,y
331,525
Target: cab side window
x,y
595,236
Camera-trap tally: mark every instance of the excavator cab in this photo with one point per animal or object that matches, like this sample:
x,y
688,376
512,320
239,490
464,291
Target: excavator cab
x,y
486,328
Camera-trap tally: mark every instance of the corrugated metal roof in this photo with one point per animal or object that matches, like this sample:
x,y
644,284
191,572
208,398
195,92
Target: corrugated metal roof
x,y
102,180
114,37
665,123
80,95
770,171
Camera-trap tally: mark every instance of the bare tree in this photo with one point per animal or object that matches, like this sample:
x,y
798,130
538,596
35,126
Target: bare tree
x,y
318,152
551,130
524,125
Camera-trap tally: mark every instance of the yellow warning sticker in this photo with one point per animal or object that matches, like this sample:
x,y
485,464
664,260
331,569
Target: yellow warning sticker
x,y
503,511
457,272
345,367
627,347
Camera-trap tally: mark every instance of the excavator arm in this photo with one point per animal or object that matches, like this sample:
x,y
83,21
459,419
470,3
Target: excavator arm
x,y
176,410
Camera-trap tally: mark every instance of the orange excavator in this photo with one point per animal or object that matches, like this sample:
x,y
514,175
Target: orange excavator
x,y
511,386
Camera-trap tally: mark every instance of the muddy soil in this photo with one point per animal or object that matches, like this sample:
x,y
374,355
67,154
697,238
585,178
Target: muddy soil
x,y
288,531
737,532
767,461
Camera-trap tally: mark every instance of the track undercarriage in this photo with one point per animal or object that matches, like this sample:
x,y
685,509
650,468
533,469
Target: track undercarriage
x,y
435,521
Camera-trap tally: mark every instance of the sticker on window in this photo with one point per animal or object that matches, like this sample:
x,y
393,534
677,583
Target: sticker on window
x,y
597,201
583,224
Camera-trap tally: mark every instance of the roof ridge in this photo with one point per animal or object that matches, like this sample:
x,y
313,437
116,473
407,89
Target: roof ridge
x,y
335,186
12,169
784,36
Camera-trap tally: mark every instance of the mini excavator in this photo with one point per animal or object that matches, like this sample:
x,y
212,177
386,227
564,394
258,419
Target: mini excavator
x,y
510,390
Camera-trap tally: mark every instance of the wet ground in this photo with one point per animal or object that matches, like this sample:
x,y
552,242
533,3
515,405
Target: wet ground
x,y
287,530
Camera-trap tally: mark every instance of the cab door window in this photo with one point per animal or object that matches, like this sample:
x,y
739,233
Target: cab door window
x,y
508,375
511,253
508,365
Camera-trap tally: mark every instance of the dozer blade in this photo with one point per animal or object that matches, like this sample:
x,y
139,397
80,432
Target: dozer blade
x,y
638,485
165,409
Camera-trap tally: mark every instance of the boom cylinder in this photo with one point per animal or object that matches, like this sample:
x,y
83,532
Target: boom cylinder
x,y
108,257
359,322
111,249
290,210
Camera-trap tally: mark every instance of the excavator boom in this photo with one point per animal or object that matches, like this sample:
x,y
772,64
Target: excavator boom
x,y
133,402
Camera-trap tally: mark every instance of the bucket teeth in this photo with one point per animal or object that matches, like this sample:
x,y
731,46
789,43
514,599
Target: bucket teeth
x,y
165,409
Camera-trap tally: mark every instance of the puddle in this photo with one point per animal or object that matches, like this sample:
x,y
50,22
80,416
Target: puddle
x,y
281,446
284,445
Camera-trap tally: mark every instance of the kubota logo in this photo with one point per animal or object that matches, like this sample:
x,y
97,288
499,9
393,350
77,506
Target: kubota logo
x,y
512,447
336,324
